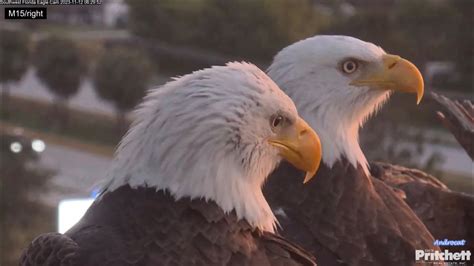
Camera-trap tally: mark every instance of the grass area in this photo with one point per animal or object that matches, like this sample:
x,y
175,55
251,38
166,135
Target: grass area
x,y
87,127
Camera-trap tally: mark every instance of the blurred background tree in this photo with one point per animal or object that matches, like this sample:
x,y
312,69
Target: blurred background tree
x,y
463,43
14,61
243,29
60,67
422,31
22,215
122,76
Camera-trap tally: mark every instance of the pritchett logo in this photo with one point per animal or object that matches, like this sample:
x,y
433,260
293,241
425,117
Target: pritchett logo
x,y
446,255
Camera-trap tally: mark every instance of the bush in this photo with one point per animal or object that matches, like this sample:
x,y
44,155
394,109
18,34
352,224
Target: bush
x,y
14,55
60,67
246,29
14,61
122,76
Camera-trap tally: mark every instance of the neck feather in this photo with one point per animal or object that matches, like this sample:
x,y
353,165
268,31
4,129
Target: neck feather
x,y
339,137
337,117
210,174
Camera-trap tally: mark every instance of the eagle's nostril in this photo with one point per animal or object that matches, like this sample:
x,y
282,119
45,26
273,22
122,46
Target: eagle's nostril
x,y
392,65
303,132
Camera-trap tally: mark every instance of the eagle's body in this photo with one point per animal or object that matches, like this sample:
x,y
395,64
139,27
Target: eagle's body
x,y
397,175
185,184
143,226
447,214
344,215
346,218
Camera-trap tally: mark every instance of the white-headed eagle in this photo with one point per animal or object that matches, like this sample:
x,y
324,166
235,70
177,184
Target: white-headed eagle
x,y
344,215
185,184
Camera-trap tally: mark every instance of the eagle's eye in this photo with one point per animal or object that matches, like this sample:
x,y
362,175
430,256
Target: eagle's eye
x,y
349,66
276,121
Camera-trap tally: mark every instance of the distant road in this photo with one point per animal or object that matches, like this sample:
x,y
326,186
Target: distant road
x,y
78,172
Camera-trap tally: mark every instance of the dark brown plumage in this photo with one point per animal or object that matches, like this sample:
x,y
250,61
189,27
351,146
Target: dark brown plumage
x,y
396,175
145,227
346,218
447,214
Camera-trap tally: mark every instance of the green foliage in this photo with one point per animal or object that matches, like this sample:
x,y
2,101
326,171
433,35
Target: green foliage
x,y
463,42
242,28
122,76
14,55
22,215
59,65
426,28
422,30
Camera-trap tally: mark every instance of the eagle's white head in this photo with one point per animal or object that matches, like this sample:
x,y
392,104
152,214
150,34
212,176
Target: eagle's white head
x,y
216,134
337,82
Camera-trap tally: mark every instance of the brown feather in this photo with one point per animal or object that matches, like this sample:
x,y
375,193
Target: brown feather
x,y
447,214
346,217
145,227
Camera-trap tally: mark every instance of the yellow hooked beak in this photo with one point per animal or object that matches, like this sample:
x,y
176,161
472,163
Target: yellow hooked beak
x,y
300,146
396,74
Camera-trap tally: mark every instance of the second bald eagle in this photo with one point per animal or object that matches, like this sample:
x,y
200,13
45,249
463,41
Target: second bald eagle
x,y
344,215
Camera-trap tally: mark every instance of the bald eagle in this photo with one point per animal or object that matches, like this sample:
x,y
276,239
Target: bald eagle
x,y
185,183
344,215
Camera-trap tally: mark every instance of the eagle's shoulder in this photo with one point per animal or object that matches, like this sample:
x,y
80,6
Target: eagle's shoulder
x,y
150,227
51,249
224,238
447,214
349,217
396,175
